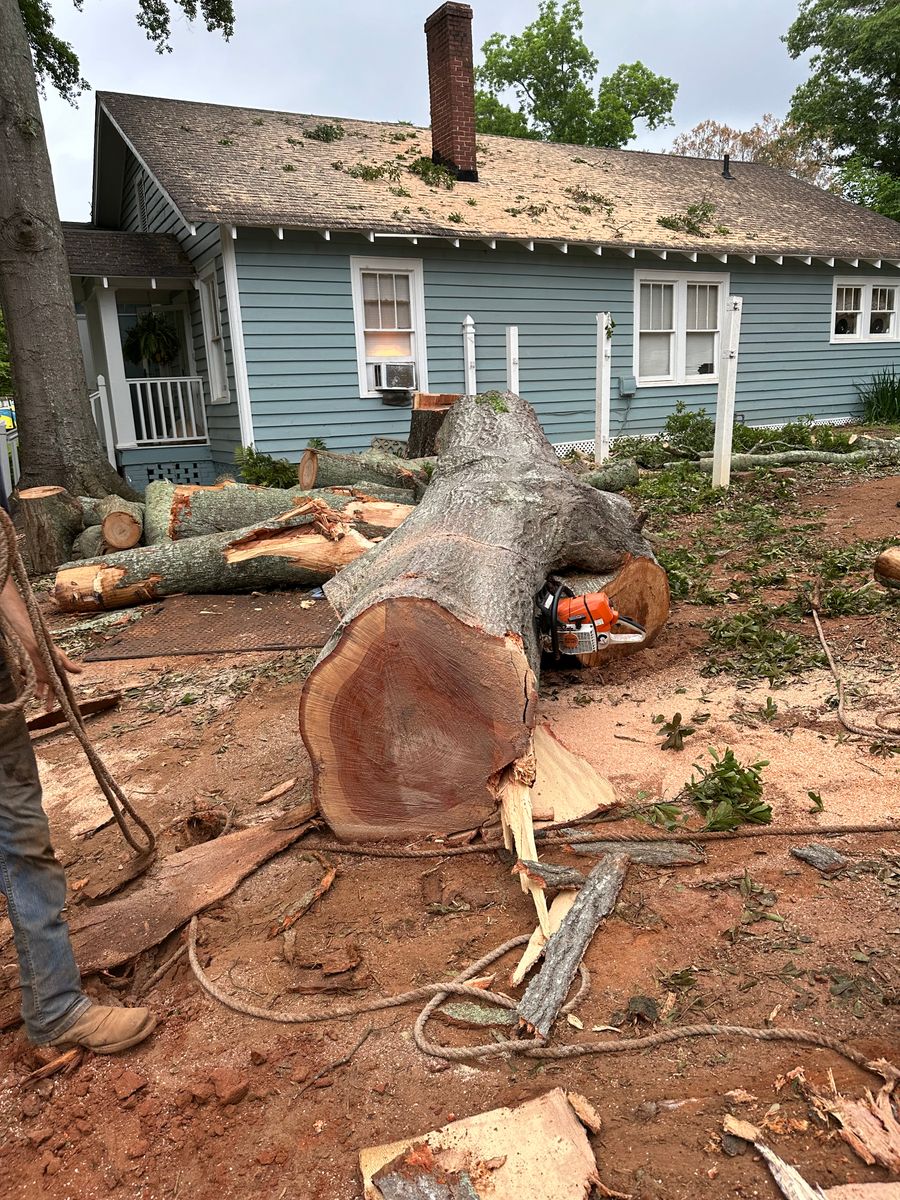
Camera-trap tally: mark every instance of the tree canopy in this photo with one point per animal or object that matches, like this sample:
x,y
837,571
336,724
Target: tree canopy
x,y
770,140
551,72
57,63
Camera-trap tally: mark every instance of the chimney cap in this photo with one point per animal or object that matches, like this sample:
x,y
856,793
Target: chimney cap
x,y
450,9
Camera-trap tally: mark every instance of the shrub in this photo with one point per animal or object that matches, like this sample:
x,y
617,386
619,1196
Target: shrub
x,y
327,131
880,396
263,469
689,432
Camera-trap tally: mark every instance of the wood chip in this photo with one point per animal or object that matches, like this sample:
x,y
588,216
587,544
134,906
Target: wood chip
x,y
280,789
742,1129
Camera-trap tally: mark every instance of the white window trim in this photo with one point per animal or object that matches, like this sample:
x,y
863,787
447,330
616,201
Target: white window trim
x,y
681,279
412,267
218,388
866,283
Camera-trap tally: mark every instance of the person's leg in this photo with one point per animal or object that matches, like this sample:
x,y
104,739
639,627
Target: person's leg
x,y
35,889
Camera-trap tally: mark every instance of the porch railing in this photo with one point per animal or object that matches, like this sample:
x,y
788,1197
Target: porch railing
x,y
168,410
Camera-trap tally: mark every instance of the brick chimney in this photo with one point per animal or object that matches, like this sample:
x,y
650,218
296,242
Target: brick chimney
x,y
451,84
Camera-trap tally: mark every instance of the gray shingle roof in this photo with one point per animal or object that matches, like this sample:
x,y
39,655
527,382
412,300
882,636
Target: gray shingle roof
x,y
113,252
253,167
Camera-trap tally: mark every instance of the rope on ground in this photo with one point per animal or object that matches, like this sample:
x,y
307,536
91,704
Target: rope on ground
x,y
882,733
22,670
436,993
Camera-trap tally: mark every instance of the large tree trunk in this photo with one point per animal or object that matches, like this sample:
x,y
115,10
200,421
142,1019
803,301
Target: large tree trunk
x,y
324,468
56,426
51,521
303,548
429,688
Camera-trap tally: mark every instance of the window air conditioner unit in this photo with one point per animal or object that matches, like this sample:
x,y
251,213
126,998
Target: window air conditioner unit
x,y
395,376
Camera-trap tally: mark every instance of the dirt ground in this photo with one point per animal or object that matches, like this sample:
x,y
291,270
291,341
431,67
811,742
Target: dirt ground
x,y
751,936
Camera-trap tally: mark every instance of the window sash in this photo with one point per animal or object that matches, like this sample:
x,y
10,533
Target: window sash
x,y
389,317
692,325
859,305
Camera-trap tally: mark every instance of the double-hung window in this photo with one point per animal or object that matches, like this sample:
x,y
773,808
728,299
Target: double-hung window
x,y
864,310
389,315
677,327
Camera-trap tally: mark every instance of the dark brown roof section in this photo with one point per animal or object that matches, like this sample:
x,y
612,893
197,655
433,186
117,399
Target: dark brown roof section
x,y
114,253
252,167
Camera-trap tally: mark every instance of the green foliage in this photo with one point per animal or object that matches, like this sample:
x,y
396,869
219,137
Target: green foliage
x,y
689,432
263,469
751,646
316,443
551,72
6,383
697,219
152,338
434,174
57,63
455,217
818,804
325,131
675,731
679,489
496,400
878,190
587,201
662,815
728,794
880,396
852,97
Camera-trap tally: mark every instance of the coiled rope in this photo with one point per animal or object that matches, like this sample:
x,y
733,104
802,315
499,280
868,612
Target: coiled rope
x,y
25,678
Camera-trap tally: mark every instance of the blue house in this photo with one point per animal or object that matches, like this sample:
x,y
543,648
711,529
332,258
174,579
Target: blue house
x,y
312,272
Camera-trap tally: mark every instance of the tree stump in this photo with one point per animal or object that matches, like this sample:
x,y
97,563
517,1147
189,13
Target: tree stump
x,y
428,690
51,520
424,426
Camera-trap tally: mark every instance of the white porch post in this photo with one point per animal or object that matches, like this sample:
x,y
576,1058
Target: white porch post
x,y
728,363
512,359
604,386
104,425
116,380
468,328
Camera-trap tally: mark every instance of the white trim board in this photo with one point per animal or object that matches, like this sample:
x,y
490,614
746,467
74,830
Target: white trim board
x,y
236,336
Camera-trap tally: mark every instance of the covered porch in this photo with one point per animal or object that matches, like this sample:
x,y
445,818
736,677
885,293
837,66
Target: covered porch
x,y
144,334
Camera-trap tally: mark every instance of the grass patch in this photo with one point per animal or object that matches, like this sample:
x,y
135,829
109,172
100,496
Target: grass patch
x,y
880,396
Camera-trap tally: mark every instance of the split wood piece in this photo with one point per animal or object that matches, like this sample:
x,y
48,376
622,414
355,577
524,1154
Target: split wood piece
x,y
304,547
648,854
559,908
66,1062
538,1150
324,468
864,1191
887,567
546,993
424,426
121,523
87,708
89,543
437,657
790,1182
440,400
181,885
546,875
615,475
640,591
51,520
514,792
566,786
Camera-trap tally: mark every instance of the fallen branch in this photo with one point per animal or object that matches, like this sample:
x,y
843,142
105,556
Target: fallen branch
x,y
546,875
879,731
87,708
792,458
544,997
306,902
67,1061
333,1066
648,854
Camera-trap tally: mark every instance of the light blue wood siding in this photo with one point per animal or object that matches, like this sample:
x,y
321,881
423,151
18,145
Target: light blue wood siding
x,y
300,343
222,419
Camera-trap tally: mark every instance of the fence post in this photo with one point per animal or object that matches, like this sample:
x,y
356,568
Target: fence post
x,y
468,327
604,386
728,364
512,359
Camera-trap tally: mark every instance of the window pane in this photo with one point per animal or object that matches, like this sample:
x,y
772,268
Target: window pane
x,y
655,355
388,345
884,303
657,303
700,354
703,306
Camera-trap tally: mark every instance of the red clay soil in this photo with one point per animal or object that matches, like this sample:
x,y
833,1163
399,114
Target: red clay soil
x,y
216,1105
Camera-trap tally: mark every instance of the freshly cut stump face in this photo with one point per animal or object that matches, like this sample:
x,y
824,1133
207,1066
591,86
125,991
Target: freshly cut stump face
x,y
410,717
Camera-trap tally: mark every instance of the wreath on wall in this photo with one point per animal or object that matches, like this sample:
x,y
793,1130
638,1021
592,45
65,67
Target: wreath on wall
x,y
152,339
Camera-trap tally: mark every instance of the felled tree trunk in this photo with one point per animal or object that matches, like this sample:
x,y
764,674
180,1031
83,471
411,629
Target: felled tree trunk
x,y
429,688
121,523
424,426
887,567
324,468
51,520
303,548
192,510
613,476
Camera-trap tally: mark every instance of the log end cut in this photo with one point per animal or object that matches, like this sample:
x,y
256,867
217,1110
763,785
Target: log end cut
x,y
409,719
887,567
308,469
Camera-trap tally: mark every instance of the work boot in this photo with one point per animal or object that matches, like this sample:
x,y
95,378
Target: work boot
x,y
107,1030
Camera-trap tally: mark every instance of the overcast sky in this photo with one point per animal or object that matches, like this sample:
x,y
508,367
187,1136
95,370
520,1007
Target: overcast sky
x,y
366,58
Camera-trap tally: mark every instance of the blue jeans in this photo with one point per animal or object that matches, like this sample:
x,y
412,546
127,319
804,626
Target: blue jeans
x,y
35,888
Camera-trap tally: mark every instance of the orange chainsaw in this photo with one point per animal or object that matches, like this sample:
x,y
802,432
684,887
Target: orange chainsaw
x,y
571,624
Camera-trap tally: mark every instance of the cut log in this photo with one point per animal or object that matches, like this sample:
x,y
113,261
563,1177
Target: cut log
x,y
121,522
639,590
887,567
791,458
89,543
613,476
324,468
647,854
437,657
424,426
547,875
51,520
546,993
537,943
303,548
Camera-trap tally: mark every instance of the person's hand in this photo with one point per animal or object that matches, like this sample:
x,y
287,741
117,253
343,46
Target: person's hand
x,y
43,689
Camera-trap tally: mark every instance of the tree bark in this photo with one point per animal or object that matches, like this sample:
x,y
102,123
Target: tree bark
x,y
179,511
58,437
887,567
89,543
301,549
428,691
424,426
791,458
324,468
613,476
51,520
121,523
